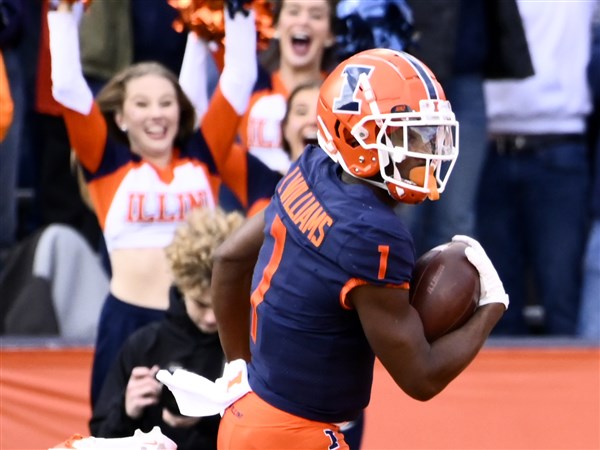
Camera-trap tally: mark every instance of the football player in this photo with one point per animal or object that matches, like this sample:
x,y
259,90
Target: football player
x,y
311,291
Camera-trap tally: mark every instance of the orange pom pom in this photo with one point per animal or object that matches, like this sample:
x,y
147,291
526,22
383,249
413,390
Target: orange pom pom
x,y
206,19
263,9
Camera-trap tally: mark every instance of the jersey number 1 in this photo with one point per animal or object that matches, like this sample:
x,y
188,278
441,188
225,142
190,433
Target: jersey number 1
x,y
279,234
384,252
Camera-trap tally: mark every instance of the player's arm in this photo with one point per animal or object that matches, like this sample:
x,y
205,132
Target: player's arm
x,y
395,333
233,265
85,124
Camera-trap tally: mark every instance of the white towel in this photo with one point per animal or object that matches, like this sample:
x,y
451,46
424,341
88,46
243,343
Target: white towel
x,y
197,396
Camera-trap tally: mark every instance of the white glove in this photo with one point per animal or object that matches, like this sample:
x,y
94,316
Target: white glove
x,y
240,69
492,290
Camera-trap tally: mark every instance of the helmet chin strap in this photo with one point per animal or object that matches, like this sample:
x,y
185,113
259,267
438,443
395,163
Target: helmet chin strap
x,y
417,175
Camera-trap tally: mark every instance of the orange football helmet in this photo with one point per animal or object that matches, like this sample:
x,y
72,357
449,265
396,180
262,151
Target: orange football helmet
x,y
383,116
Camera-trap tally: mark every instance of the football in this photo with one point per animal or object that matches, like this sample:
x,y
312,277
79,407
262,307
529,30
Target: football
x,y
444,289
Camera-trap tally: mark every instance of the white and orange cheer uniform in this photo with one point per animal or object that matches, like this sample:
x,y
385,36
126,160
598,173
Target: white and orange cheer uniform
x,y
137,203
140,205
260,129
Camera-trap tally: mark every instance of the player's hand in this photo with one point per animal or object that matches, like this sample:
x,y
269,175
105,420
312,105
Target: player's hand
x,y
143,390
492,290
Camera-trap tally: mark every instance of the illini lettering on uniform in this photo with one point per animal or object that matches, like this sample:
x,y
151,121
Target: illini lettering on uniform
x,y
144,207
303,208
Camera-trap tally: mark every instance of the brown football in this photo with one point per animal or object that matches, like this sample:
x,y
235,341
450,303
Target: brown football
x,y
444,289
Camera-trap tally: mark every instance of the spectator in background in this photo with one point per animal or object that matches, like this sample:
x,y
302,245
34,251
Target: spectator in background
x,y
373,24
114,35
154,38
533,216
187,337
12,25
479,40
299,123
56,189
589,313
298,129
52,284
106,40
146,165
302,50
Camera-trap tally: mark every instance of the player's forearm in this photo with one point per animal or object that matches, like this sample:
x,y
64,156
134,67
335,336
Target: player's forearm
x,y
231,301
451,354
423,370
233,265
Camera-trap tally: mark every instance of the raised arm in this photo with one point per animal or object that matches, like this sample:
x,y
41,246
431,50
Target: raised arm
x,y
193,75
233,266
230,99
85,124
69,87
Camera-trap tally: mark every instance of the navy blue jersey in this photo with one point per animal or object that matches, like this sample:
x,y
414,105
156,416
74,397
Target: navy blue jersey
x,y
323,237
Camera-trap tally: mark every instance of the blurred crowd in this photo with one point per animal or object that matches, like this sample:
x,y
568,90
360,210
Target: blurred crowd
x,y
527,103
